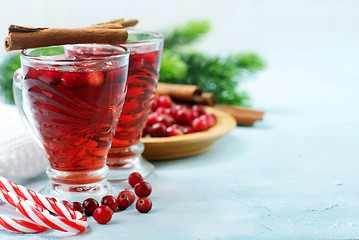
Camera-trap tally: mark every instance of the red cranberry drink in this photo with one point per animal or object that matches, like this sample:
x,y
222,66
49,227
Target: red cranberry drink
x,y
75,104
143,73
142,81
75,126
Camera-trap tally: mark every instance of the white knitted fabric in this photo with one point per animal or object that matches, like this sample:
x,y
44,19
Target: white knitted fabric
x,y
20,156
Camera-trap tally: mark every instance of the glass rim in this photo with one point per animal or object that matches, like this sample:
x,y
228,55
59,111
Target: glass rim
x,y
156,37
49,59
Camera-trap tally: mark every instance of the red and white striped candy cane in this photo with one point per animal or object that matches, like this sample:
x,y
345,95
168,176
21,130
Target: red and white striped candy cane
x,y
20,225
9,197
37,213
45,202
14,224
40,217
13,199
45,219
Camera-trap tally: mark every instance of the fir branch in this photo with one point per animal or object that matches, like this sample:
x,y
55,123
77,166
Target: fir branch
x,y
219,75
7,68
173,69
250,62
186,35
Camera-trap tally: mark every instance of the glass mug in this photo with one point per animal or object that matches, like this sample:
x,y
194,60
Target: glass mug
x,y
72,105
143,73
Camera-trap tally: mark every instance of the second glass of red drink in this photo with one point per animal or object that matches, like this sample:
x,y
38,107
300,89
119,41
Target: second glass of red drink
x,y
143,73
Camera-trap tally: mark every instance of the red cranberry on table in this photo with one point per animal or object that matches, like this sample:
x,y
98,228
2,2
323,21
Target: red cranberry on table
x,y
90,205
77,206
143,189
144,205
123,201
135,178
102,214
109,201
129,194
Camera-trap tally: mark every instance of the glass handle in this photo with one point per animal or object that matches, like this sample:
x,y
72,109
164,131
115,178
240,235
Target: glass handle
x,y
21,105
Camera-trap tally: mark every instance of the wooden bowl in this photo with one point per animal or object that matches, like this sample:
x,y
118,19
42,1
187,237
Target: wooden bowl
x,y
161,148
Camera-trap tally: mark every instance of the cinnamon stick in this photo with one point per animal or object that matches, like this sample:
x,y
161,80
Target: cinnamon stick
x,y
180,92
123,22
243,116
22,37
17,28
208,99
128,23
107,26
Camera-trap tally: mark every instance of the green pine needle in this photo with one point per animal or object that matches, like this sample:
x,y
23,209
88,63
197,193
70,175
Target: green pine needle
x,y
174,68
186,35
250,62
7,68
220,75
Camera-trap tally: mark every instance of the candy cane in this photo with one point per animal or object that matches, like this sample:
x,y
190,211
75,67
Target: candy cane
x,y
14,224
9,197
45,219
20,225
35,207
40,217
45,202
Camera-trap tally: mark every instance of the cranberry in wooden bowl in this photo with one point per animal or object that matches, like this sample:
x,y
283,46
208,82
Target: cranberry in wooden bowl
x,y
178,130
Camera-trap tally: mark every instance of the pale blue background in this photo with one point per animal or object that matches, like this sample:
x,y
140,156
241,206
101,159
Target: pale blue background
x,y
292,176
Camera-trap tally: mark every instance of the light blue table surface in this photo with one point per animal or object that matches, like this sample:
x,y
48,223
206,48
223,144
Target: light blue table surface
x,y
294,175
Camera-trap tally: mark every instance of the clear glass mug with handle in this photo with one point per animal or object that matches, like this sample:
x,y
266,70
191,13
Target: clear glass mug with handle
x,y
72,105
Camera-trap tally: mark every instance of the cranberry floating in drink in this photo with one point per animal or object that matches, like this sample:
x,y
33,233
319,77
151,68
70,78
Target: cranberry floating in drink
x,y
143,73
72,104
